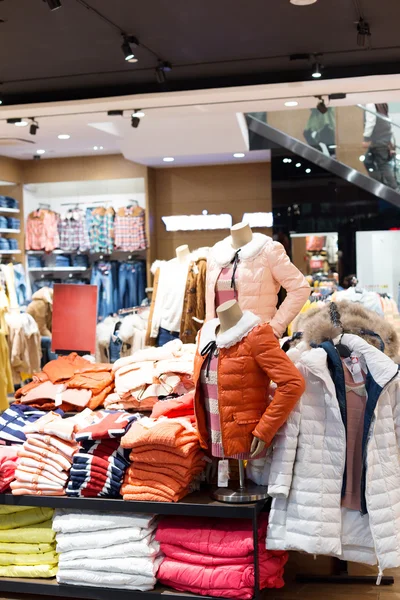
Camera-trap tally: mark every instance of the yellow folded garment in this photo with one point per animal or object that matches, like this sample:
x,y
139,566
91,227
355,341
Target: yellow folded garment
x,y
46,558
7,510
26,548
34,534
33,516
36,572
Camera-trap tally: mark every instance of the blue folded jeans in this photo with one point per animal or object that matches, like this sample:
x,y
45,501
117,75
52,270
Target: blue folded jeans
x,y
165,336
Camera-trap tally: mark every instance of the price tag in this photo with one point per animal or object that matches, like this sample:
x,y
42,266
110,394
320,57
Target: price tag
x,y
223,473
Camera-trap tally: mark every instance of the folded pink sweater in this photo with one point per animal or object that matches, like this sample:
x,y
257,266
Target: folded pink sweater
x,y
8,464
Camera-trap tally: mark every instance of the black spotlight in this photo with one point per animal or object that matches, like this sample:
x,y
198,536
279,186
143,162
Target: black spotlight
x,y
321,106
36,157
135,122
53,4
161,70
128,42
34,127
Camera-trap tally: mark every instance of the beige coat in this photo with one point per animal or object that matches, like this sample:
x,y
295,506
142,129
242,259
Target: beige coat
x,y
41,309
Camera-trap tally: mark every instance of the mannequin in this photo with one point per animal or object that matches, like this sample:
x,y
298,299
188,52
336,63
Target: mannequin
x,y
229,315
251,268
183,253
241,235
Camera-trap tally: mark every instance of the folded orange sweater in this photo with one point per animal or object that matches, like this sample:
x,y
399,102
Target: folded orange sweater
x,y
158,480
177,472
170,433
162,457
143,492
64,367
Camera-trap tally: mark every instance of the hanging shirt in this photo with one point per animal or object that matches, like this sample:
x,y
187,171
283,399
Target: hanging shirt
x,y
42,231
130,232
73,232
102,230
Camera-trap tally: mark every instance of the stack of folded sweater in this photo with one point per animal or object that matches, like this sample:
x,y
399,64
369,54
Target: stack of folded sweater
x,y
147,375
45,459
181,406
216,558
106,550
166,459
15,419
8,464
99,466
27,547
70,382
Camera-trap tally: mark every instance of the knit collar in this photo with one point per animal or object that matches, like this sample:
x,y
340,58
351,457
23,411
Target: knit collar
x,y
223,251
231,337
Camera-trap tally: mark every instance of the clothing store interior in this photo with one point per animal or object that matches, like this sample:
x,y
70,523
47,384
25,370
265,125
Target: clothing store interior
x,y
199,300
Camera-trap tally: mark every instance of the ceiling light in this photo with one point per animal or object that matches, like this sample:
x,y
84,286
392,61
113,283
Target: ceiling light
x,y
64,136
238,155
1,101
308,170
168,159
101,147
321,106
317,71
53,4
291,103
161,70
135,122
34,127
138,113
127,50
397,157
362,157
40,152
21,123
302,2
95,147
298,165
371,170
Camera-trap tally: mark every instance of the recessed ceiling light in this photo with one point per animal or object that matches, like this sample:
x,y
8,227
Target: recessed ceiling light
x,y
168,159
64,136
302,2
139,114
308,170
291,103
101,147
238,155
95,147
362,157
40,151
298,165
21,123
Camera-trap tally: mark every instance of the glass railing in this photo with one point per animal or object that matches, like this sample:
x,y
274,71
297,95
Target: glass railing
x,y
362,137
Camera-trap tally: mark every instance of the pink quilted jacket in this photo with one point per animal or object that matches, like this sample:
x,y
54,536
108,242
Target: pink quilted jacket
x,y
263,268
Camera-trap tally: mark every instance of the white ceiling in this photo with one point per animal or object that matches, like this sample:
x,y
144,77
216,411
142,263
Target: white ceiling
x,y
199,127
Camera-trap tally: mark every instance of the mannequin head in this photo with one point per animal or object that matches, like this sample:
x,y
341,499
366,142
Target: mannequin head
x,y
182,253
241,235
229,313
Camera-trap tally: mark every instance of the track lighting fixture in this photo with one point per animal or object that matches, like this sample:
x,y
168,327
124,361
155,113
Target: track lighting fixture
x,y
135,121
316,71
115,113
363,32
128,42
321,106
33,127
53,4
162,68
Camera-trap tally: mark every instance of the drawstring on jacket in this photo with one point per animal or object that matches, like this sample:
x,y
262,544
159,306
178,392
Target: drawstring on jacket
x,y
209,350
379,579
235,261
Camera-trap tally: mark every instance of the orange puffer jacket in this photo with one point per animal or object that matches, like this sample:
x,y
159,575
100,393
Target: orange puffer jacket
x,y
262,269
249,358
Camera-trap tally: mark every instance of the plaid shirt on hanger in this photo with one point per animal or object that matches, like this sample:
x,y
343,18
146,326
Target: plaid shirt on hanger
x,y
102,231
130,232
73,232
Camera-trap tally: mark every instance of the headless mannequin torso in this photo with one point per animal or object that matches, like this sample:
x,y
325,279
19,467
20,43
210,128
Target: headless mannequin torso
x,y
241,235
183,253
229,314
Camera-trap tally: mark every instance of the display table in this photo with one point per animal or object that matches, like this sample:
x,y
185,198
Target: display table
x,y
198,504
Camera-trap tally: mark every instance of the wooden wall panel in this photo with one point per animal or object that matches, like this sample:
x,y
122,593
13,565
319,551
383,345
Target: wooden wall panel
x,y
232,189
81,168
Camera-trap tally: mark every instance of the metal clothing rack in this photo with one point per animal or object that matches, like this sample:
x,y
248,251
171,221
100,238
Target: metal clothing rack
x,y
197,504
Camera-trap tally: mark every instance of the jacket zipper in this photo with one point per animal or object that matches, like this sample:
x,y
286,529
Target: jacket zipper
x,y
219,395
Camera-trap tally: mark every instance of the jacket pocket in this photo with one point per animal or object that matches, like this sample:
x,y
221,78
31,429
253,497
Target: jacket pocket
x,y
247,417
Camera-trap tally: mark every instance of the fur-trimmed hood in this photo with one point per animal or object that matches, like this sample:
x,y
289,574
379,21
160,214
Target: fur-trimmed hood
x,y
195,255
230,337
223,251
317,326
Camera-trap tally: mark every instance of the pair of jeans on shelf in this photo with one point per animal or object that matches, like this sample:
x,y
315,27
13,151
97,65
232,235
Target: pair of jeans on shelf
x,y
8,202
80,260
165,336
35,262
3,223
13,223
132,284
12,244
104,275
41,283
21,288
4,245
63,260
47,353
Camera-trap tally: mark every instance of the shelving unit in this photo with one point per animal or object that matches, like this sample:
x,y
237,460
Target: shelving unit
x,y
198,504
55,269
14,211
10,231
9,252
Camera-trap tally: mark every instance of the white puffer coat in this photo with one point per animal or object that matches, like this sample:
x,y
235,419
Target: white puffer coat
x,y
308,462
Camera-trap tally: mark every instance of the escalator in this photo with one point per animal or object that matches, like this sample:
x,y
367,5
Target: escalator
x,y
338,149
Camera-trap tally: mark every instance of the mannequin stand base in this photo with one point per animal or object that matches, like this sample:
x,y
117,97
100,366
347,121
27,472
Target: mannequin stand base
x,y
249,493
